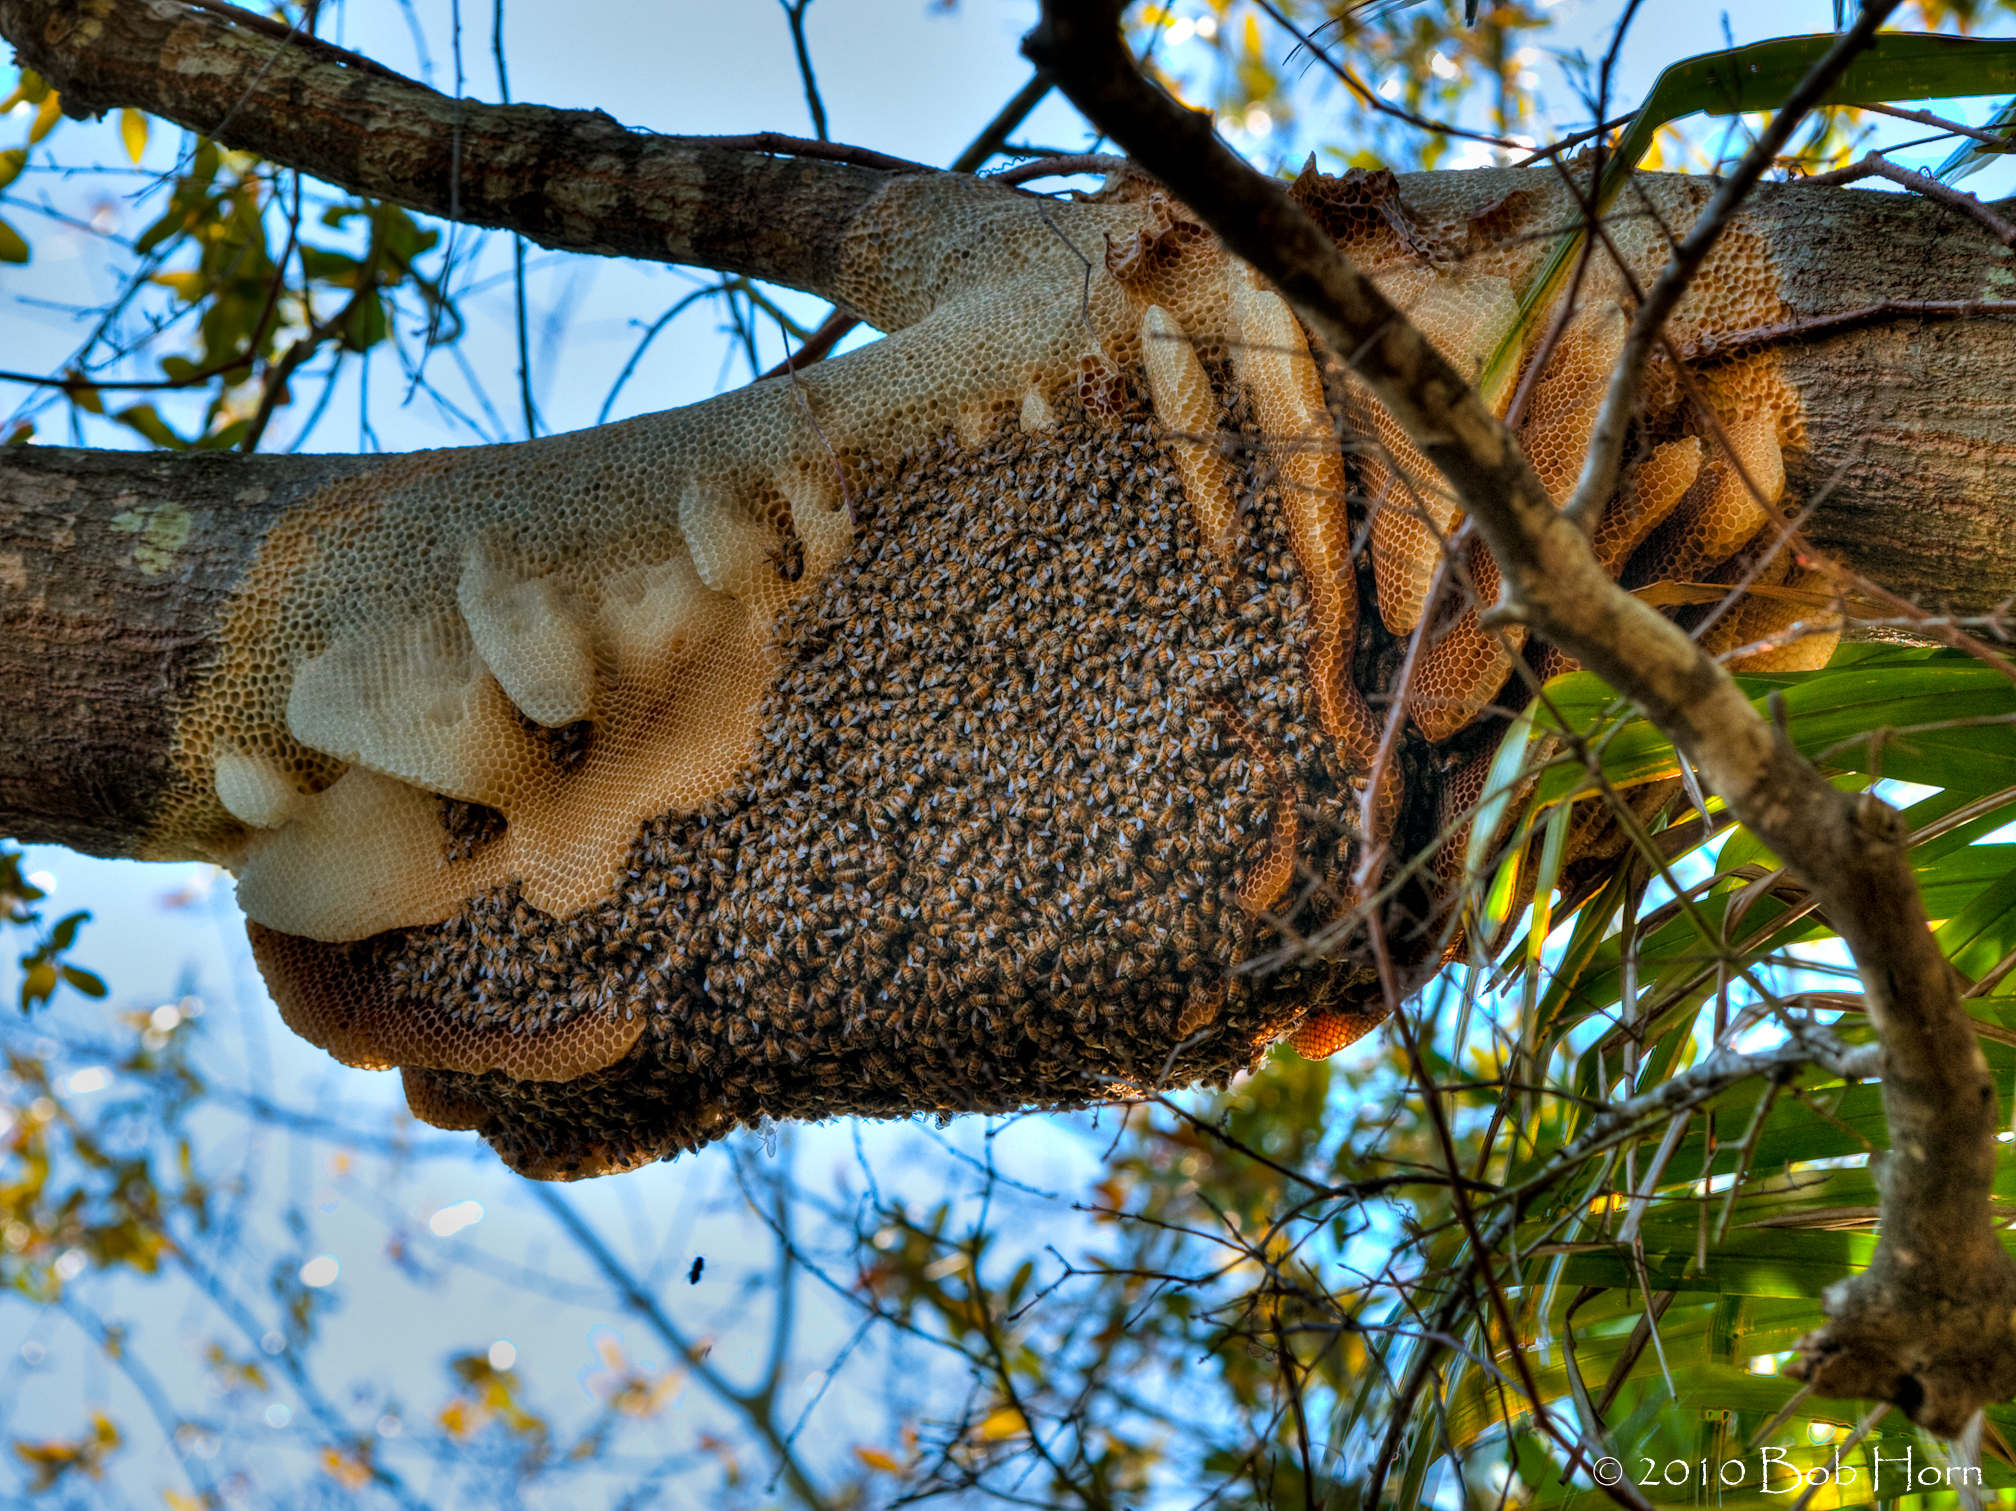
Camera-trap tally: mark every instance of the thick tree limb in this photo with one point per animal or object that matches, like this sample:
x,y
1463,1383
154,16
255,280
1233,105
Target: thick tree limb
x,y
1928,1326
575,180
1924,463
114,569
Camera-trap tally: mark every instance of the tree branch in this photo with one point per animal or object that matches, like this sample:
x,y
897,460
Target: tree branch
x,y
115,568
573,180
1927,1326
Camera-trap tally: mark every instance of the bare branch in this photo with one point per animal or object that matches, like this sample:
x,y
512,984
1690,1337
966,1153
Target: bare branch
x,y
1875,165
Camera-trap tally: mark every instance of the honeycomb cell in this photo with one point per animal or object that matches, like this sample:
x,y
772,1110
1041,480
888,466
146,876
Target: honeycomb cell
x,y
531,636
254,789
1324,1034
335,995
1792,626
1272,359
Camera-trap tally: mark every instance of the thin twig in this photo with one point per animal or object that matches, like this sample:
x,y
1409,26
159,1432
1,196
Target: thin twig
x,y
1875,165
794,13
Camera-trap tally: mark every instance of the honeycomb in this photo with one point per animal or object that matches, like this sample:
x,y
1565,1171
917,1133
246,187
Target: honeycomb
x,y
943,726
340,998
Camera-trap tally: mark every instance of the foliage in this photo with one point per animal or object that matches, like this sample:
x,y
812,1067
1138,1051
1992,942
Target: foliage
x,y
43,966
1366,73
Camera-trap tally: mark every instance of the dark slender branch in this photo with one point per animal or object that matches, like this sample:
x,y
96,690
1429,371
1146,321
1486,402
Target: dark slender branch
x,y
1712,348
815,347
519,320
794,14
1939,122
1875,165
994,135
819,345
1059,167
641,1302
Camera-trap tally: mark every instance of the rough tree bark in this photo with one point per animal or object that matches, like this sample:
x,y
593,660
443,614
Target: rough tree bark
x,y
114,570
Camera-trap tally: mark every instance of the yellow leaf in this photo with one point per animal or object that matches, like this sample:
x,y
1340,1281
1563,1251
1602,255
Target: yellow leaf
x,y
12,247
133,132
46,117
348,1470
461,1418
875,1458
177,1501
1655,156
1006,1422
189,286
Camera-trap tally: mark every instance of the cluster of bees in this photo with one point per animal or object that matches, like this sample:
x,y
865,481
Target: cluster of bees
x,y
990,844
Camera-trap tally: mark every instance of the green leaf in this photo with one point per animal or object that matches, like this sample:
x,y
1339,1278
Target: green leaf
x,y
329,267
1970,157
84,981
12,161
30,86
1756,1262
224,437
147,421
1952,719
176,219
1591,924
189,286
403,236
12,247
366,326
1501,789
65,933
38,984
1977,937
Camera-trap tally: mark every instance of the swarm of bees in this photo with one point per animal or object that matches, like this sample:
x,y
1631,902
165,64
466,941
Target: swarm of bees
x,y
991,843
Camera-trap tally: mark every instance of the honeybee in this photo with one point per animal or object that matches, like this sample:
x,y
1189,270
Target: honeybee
x,y
787,558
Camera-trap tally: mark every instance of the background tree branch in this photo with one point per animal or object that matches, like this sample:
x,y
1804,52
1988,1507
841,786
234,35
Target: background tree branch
x,y
576,180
